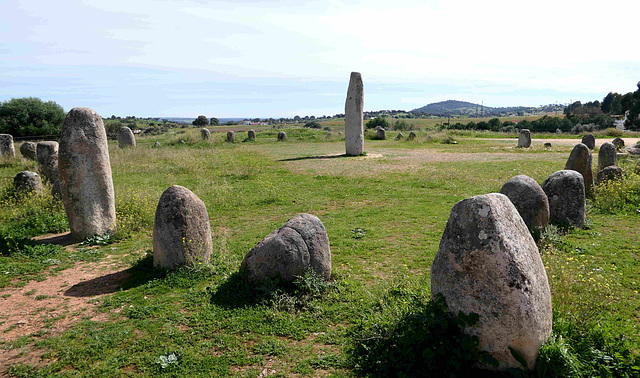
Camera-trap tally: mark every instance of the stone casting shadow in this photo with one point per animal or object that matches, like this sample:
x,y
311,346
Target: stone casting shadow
x,y
318,157
237,292
140,273
64,239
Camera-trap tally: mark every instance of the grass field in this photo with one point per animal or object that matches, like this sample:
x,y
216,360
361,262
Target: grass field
x,y
384,213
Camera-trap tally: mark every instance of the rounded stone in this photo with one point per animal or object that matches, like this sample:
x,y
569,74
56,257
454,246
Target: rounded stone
x,y
565,191
610,173
205,134
47,158
607,155
580,161
27,182
28,150
251,135
381,133
412,136
231,136
282,136
6,145
300,244
86,185
589,140
181,230
530,201
489,264
547,145
126,137
524,139
618,143
400,136
156,145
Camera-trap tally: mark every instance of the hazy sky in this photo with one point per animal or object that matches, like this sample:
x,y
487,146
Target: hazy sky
x,y
281,58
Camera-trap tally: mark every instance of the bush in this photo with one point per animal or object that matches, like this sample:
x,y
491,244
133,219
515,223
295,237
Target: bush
x,y
378,121
30,117
403,125
313,125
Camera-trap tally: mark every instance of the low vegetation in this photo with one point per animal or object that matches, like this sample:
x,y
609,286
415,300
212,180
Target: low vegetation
x,y
384,214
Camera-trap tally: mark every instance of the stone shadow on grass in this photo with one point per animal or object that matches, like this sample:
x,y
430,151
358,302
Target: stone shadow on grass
x,y
318,157
238,292
140,273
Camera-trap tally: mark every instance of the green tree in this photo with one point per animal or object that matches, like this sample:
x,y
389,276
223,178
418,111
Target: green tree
x,y
378,121
201,121
214,121
30,116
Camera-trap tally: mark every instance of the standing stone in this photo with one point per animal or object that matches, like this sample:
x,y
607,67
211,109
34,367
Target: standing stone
x,y
86,186
489,264
282,136
156,145
329,135
524,140
381,133
412,136
530,201
607,155
565,191
231,136
181,230
580,161
298,245
251,135
28,150
589,140
618,143
47,158
126,138
547,145
205,134
610,173
400,136
6,145
27,182
353,121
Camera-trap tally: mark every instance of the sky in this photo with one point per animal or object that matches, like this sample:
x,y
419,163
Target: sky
x,y
268,58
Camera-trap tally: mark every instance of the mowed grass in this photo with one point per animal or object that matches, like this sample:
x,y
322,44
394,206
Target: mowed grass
x,y
384,214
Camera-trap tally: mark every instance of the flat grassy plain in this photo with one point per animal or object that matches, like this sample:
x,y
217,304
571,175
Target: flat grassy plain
x,y
384,213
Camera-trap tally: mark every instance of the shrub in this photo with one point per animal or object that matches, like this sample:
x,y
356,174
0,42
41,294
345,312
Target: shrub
x,y
313,125
618,195
378,121
30,117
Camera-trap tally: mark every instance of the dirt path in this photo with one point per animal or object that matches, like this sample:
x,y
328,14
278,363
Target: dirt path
x,y
567,142
49,307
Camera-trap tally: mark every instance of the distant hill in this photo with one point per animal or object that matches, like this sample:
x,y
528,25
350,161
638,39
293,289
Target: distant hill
x,y
447,106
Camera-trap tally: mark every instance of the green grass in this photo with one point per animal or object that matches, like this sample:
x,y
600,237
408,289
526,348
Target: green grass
x,y
384,214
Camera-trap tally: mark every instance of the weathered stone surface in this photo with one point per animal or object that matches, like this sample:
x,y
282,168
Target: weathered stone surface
x,y
580,161
607,155
530,201
126,137
47,158
489,264
86,186
400,136
282,136
251,135
181,230
381,133
633,150
6,145
589,140
28,182
287,252
610,173
412,136
353,111
205,134
28,150
231,136
524,140
618,143
565,191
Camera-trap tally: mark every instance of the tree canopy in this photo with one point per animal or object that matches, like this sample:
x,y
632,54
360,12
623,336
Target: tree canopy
x,y
30,116
201,121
